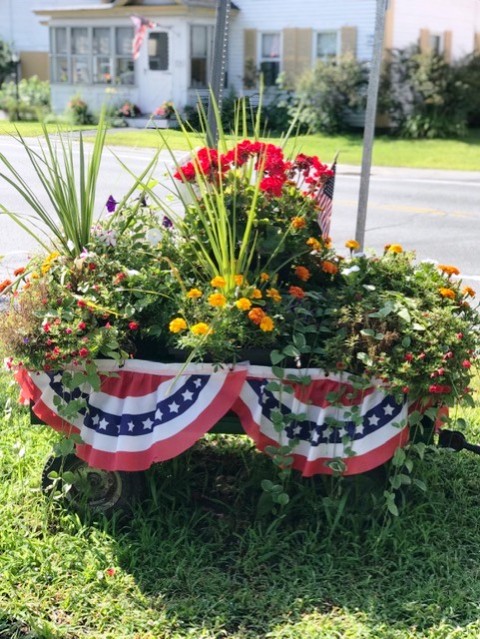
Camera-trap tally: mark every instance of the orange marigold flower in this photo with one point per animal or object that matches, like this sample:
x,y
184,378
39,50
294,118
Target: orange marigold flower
x,y
353,245
394,248
194,293
329,267
447,292
302,273
264,277
257,294
448,269
218,282
238,279
267,324
4,285
177,325
200,329
299,222
468,291
256,315
296,291
274,294
19,271
217,299
243,304
314,244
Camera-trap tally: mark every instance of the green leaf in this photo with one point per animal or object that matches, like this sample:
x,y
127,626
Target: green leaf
x,y
276,357
278,372
291,351
282,499
299,340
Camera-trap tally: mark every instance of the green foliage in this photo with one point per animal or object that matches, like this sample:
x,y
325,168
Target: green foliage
x,y
469,76
331,92
78,111
33,99
6,64
424,96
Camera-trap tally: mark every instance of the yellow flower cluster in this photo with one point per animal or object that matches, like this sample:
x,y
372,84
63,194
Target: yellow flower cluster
x,y
48,261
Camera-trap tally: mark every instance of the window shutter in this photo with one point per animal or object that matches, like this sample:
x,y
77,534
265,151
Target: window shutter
x,y
250,60
348,38
424,41
447,46
297,52
476,42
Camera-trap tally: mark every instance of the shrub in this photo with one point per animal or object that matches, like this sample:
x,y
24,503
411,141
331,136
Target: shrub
x,y
469,75
6,64
424,96
329,93
78,111
33,99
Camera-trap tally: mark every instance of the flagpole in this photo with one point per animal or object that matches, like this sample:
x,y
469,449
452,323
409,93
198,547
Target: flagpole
x,y
217,72
370,116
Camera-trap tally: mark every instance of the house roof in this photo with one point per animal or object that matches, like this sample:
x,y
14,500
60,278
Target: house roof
x,y
124,8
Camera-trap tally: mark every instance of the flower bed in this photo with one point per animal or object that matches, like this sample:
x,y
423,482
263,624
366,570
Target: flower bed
x,y
244,265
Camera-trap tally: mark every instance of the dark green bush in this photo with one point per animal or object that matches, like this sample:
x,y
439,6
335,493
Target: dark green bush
x,y
33,99
424,96
469,74
328,95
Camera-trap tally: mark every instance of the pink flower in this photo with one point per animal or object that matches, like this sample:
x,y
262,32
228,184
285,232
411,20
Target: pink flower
x,y
81,326
47,327
68,331
83,352
133,326
466,363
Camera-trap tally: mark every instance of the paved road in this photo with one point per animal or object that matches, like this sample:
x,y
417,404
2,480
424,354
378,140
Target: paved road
x,y
435,213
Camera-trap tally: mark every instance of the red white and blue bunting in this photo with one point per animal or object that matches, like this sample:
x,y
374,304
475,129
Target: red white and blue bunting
x,y
149,412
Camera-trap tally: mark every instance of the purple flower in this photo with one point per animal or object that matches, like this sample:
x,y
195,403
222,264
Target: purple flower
x,y
111,204
167,222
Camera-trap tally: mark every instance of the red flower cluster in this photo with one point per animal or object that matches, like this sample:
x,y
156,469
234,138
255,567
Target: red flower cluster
x,y
269,160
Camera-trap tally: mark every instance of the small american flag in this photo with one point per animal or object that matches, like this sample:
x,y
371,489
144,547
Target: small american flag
x,y
141,26
325,202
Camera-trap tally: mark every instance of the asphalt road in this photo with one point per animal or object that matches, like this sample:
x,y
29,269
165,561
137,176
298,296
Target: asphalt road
x,y
434,213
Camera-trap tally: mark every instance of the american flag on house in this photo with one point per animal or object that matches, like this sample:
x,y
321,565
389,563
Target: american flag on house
x,y
141,26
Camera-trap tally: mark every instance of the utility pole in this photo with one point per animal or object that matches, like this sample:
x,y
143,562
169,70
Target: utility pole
x,y
370,116
218,68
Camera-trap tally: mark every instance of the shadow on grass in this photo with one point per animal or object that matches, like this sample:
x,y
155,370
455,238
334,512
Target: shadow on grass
x,y
197,550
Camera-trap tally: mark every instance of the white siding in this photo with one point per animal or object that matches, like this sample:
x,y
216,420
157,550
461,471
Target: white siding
x,y
319,15
462,17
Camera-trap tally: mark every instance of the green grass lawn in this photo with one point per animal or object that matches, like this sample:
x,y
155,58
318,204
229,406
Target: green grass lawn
x,y
194,562
461,154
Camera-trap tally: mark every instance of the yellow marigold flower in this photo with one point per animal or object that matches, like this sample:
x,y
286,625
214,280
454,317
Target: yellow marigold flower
x,y
327,242
448,269
218,282
353,245
264,277
394,248
447,292
34,275
314,244
299,222
274,294
267,324
217,299
256,315
200,329
329,267
243,304
302,273
238,279
468,291
194,293
53,256
257,294
177,325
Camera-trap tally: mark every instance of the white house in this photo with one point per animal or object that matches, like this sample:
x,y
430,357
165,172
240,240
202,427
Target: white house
x,y
85,46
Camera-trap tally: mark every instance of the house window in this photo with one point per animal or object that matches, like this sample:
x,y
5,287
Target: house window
x,y
327,45
59,47
201,47
270,57
86,55
158,51
435,43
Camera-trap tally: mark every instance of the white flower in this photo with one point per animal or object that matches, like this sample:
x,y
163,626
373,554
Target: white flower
x,y
154,236
131,272
353,269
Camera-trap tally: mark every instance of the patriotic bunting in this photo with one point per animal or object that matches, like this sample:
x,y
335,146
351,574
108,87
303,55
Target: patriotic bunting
x,y
147,412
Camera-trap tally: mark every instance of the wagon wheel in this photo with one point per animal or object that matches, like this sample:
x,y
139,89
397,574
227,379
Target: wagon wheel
x,y
92,489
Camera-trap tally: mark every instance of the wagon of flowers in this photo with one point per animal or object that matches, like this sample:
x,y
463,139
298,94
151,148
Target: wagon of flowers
x,y
224,306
